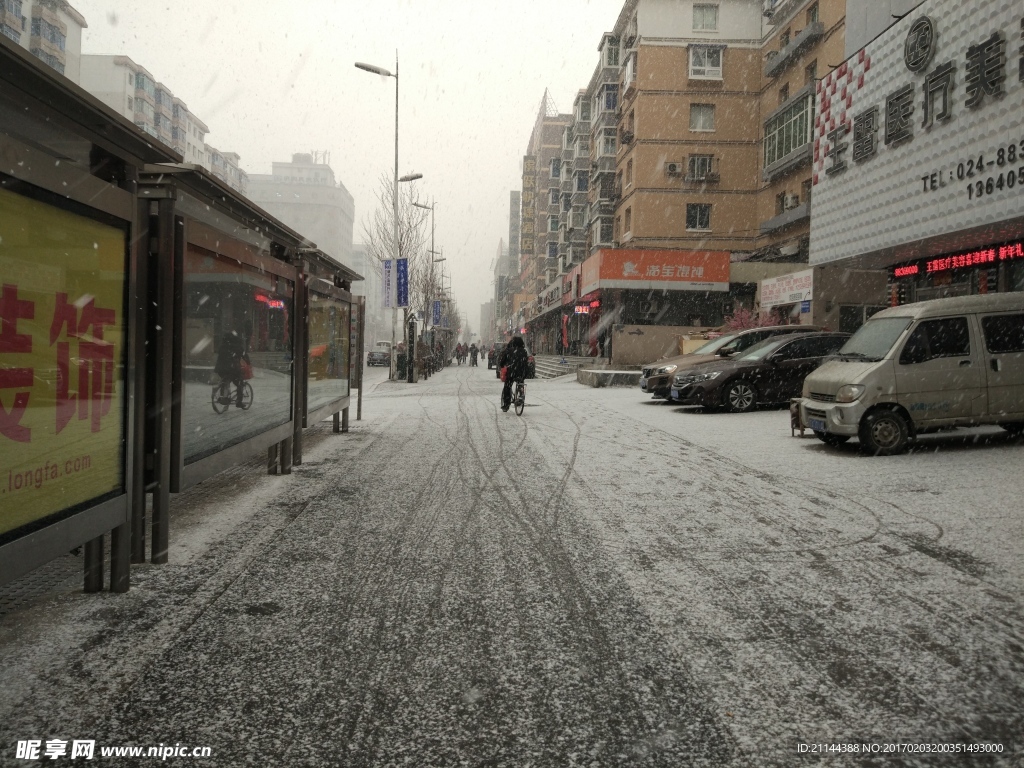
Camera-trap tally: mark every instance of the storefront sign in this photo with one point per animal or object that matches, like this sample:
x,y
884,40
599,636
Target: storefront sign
x,y
919,134
659,270
62,368
436,319
982,257
583,310
787,289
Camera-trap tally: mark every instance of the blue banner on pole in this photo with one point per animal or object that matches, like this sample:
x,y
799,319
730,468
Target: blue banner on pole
x,y
402,282
436,320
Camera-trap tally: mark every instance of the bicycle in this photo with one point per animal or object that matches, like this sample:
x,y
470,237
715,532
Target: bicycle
x,y
226,393
519,397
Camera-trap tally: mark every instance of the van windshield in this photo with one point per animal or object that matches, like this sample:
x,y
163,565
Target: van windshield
x,y
714,345
874,339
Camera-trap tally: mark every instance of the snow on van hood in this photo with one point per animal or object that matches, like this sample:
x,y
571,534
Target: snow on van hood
x,y
833,374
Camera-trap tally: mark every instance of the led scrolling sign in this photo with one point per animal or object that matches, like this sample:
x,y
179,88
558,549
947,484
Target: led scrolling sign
x,y
977,258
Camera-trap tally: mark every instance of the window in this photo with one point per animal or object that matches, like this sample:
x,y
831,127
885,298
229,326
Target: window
x,y
937,338
629,172
14,7
131,79
556,168
611,98
611,55
584,110
11,33
698,216
699,166
553,196
552,223
552,250
783,39
705,62
631,121
1003,333
609,143
783,94
618,227
702,117
812,14
705,18
582,181
811,72
780,203
805,190
36,27
629,220
787,131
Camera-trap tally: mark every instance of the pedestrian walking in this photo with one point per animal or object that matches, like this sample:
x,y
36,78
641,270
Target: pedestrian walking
x,y
473,353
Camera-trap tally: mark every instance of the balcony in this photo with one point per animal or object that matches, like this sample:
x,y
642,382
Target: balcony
x,y
783,58
604,164
798,157
606,118
787,218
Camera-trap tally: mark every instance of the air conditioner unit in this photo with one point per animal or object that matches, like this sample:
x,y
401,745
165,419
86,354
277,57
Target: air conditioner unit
x,y
627,137
673,169
792,201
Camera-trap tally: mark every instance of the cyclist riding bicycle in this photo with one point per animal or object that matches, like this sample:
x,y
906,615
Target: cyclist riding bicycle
x,y
228,366
514,357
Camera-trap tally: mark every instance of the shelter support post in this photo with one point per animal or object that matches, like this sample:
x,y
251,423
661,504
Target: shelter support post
x,y
93,556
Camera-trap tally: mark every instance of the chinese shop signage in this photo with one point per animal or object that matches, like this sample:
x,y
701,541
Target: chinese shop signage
x,y
62,374
920,132
982,257
787,289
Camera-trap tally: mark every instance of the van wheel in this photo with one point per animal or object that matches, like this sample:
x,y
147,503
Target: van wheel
x,y
829,439
740,396
884,433
1013,427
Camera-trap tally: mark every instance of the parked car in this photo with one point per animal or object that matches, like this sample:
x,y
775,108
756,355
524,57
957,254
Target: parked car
x,y
531,363
494,353
380,354
930,365
656,378
770,372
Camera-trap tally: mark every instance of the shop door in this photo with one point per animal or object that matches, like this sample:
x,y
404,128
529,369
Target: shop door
x,y
1004,363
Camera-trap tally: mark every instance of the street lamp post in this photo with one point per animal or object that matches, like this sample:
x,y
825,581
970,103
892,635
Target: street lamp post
x,y
411,177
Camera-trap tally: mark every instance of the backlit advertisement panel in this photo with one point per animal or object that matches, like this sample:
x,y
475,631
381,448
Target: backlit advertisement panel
x,y
62,371
919,134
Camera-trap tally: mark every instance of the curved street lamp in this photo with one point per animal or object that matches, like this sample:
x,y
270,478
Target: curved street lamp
x,y
410,177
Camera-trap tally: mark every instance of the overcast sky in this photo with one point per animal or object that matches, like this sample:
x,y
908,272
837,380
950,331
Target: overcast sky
x,y
274,78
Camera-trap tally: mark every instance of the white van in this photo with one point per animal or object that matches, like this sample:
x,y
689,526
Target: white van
x,y
943,363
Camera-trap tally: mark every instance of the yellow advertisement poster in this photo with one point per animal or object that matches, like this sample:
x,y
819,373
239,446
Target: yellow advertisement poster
x,y
62,280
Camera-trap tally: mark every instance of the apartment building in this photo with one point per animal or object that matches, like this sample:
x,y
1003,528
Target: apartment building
x,y
132,90
305,194
543,173
51,30
804,39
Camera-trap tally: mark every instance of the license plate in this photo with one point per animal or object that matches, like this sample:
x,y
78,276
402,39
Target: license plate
x,y
675,393
817,425
643,384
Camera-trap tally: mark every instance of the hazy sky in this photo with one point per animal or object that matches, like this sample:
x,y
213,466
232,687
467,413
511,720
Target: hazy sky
x,y
274,78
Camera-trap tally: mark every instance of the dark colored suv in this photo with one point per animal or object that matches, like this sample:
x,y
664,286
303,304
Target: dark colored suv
x,y
656,378
770,372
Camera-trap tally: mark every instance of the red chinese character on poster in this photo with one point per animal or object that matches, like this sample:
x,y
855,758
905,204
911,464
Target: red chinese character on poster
x,y
13,309
95,361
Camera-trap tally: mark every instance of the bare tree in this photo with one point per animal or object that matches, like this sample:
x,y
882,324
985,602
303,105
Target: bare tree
x,y
379,235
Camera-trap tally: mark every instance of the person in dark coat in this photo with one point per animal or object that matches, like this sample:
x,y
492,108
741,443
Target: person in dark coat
x,y
514,356
473,352
228,366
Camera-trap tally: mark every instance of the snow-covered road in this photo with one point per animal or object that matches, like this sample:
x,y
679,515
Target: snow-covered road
x,y
603,581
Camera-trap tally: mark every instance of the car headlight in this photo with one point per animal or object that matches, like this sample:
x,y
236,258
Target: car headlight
x,y
666,369
706,376
849,393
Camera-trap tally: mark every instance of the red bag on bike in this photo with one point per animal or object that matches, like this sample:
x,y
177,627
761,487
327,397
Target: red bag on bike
x,y
504,372
246,369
